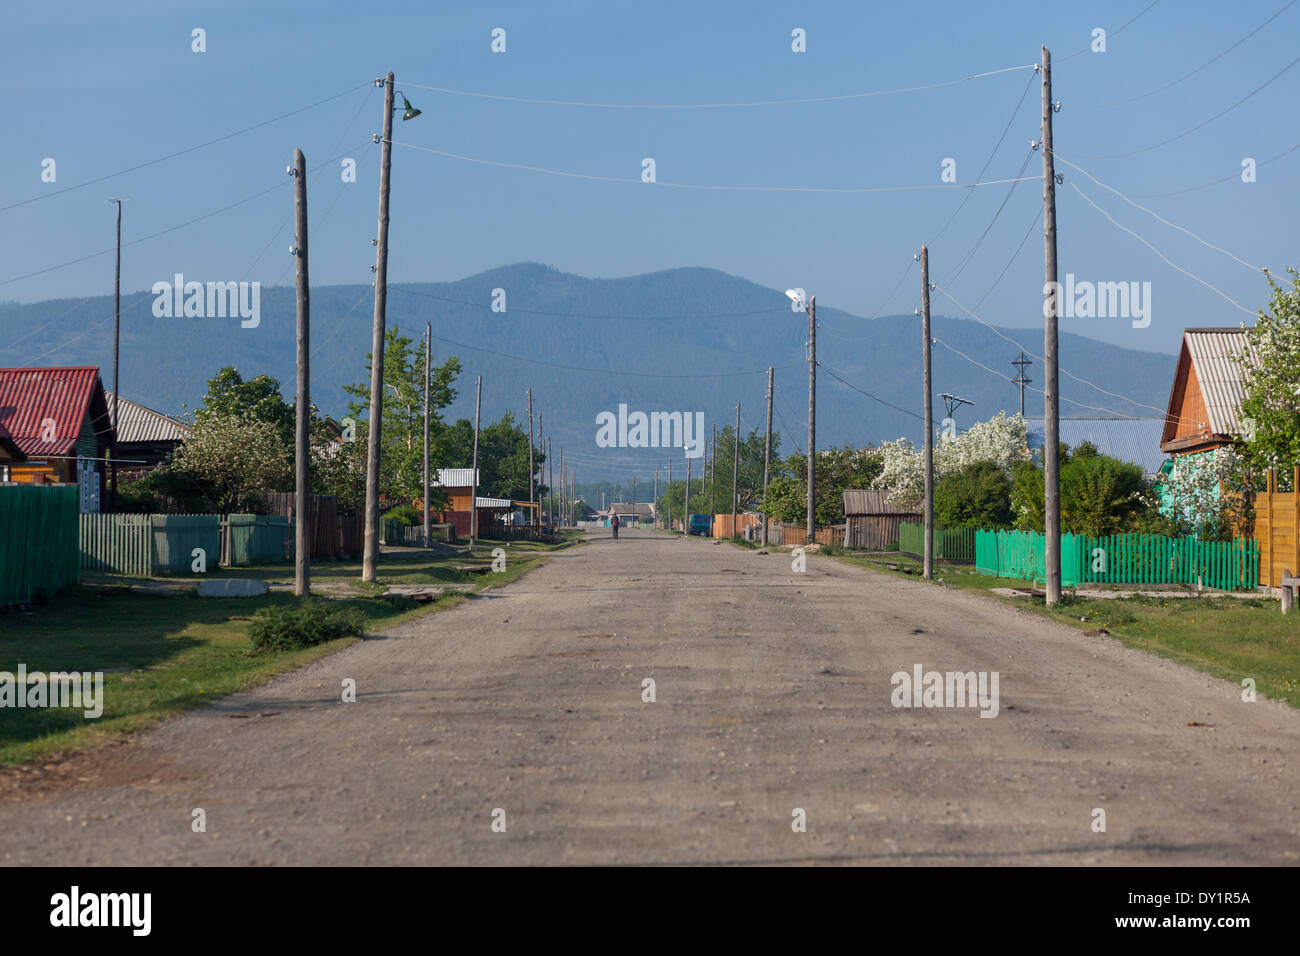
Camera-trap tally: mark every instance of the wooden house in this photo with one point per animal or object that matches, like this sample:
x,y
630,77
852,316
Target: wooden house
x,y
57,421
145,438
1204,409
871,521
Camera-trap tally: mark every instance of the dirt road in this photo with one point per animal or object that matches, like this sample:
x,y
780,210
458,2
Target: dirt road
x,y
772,694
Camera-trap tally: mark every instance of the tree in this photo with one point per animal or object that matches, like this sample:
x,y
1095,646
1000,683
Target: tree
x,y
235,458
1270,412
402,451
838,470
1100,495
502,455
749,480
1001,440
978,495
229,396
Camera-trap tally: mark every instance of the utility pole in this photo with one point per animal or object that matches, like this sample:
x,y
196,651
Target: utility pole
x,y
767,452
812,413
117,318
550,485
370,554
735,472
634,498
1051,410
564,489
424,496
473,476
669,494
541,446
686,507
654,510
302,398
1021,380
531,499
927,567
711,488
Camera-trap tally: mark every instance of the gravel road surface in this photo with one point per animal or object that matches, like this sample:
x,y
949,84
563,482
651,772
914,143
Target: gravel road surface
x,y
772,695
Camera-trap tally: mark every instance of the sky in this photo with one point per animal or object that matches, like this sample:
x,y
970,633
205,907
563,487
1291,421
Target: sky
x,y
100,88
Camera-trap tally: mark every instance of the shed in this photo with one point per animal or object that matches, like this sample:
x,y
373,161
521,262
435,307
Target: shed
x,y
871,521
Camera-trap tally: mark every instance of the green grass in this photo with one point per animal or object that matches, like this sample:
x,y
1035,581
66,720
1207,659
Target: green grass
x,y
163,653
1228,637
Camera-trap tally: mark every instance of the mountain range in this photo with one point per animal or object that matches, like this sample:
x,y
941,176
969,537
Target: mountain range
x,y
688,339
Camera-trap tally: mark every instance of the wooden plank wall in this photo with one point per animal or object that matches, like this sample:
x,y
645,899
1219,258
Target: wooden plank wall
x,y
1275,530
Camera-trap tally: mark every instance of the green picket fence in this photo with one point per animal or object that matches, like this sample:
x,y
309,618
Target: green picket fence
x,y
143,545
175,537
956,545
38,541
256,539
1122,559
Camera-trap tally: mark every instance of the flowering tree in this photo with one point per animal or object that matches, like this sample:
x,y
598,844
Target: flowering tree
x,y
1205,493
1000,441
1271,379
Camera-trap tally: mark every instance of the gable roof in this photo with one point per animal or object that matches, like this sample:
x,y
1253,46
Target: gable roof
x,y
453,478
136,423
871,503
1135,440
1212,354
31,398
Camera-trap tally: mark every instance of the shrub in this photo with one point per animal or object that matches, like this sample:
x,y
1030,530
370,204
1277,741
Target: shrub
x,y
307,624
407,514
976,496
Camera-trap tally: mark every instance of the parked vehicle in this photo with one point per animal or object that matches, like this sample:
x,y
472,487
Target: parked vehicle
x,y
701,525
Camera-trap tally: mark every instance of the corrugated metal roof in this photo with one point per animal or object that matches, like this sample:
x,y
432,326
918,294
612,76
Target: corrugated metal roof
x,y
870,503
625,508
492,502
453,478
29,397
1132,440
1214,353
135,423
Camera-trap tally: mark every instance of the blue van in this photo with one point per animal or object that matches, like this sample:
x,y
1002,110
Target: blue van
x,y
701,525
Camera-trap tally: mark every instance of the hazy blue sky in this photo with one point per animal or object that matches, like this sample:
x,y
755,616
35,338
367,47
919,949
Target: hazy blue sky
x,y
100,87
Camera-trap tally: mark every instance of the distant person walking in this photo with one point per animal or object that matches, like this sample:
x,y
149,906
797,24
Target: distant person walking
x,y
613,523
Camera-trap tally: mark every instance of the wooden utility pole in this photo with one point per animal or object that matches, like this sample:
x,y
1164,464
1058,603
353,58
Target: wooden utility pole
x,y
117,319
1051,410
550,485
564,487
654,511
541,446
711,478
669,494
531,500
634,498
302,397
473,476
812,414
767,451
370,554
686,507
927,566
428,360
735,469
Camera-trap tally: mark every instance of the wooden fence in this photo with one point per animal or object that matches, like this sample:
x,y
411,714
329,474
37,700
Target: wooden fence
x,y
325,534
1122,559
956,544
120,544
1276,530
255,539
38,541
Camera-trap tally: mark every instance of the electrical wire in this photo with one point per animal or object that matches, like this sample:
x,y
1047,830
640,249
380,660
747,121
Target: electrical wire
x,y
693,186
877,398
1215,182
711,106
1117,31
161,159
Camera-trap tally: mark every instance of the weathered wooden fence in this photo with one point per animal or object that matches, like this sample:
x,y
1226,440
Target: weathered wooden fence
x,y
1276,529
956,545
120,544
1122,559
255,539
176,537
325,533
38,541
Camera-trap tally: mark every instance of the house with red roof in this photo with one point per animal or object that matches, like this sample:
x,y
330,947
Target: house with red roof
x,y
55,427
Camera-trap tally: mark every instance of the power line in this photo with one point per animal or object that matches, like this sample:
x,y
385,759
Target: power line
x,y
1203,123
1116,32
693,186
182,152
1075,187
1215,182
710,106
877,398
1187,76
966,260
154,235
1150,212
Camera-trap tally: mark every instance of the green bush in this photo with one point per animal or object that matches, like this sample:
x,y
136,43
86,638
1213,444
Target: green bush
x,y
977,496
408,515
307,624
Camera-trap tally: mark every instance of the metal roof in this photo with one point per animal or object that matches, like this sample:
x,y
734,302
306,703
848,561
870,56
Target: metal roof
x,y
492,502
135,423
871,503
1135,440
32,398
1214,353
453,478
625,508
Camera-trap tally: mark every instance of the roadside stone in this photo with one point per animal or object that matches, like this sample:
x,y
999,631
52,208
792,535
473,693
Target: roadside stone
x,y
232,587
